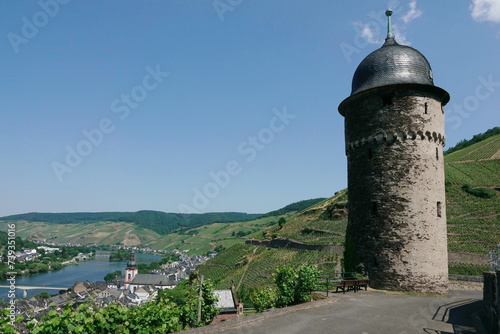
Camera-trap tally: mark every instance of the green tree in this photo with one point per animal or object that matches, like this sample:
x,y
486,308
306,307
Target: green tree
x,y
219,248
186,297
56,265
111,276
281,222
43,295
209,301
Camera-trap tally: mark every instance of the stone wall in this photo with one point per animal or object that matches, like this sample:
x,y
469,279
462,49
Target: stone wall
x,y
468,258
491,298
284,243
397,217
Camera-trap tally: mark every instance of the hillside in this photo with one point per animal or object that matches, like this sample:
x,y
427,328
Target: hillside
x,y
248,266
473,202
464,143
473,208
157,221
294,207
199,240
198,233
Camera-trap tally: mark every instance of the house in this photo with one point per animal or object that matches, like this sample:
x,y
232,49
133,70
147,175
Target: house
x,y
228,305
48,250
110,292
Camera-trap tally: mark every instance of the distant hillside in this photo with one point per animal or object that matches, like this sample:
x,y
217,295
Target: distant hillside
x,y
294,207
157,221
464,143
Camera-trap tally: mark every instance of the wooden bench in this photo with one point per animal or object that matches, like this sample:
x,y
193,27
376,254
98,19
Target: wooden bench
x,y
347,285
363,283
352,284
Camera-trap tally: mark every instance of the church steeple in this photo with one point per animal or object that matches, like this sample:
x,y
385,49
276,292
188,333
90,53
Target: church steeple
x,y
131,263
130,271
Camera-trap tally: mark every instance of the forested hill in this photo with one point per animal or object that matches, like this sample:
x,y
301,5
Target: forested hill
x,y
295,207
158,221
464,143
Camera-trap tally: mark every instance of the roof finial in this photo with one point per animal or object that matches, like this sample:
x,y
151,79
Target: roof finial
x,y
388,13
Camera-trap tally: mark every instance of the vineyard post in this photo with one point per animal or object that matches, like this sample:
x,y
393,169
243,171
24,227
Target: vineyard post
x,y
200,299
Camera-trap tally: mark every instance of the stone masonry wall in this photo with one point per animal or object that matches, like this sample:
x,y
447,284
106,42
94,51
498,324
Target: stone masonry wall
x,y
397,217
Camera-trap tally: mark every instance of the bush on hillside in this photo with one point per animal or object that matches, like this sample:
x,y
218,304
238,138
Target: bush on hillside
x,y
478,192
295,285
263,299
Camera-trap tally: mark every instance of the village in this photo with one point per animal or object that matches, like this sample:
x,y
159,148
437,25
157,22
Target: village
x,y
131,289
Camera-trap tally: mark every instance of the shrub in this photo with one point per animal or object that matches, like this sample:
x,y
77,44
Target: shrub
x,y
263,299
295,285
286,280
478,192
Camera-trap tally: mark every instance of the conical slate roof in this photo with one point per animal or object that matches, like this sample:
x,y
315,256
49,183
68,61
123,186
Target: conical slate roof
x,y
392,64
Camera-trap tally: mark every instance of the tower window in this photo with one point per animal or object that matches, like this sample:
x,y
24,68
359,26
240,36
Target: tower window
x,y
425,107
437,153
439,209
386,101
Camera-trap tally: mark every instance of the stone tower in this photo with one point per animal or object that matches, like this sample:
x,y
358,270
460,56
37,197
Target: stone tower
x,y
394,133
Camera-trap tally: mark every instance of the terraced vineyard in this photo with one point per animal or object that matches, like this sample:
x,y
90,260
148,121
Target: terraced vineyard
x,y
321,224
473,222
485,149
253,266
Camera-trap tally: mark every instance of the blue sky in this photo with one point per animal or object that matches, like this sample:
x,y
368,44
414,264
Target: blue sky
x,y
200,106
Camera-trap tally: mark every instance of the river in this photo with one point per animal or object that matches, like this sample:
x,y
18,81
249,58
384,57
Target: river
x,y
93,270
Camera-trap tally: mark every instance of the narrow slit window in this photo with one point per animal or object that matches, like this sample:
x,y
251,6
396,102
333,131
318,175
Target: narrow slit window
x,y
439,209
425,108
437,153
386,101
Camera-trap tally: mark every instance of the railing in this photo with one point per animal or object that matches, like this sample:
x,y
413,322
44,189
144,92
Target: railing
x,y
494,258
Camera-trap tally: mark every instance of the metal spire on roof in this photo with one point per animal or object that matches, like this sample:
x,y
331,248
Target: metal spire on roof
x,y
388,13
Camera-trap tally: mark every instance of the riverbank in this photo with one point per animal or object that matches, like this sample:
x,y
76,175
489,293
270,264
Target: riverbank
x,y
91,270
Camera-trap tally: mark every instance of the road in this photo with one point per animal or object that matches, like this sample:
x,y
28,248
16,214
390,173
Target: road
x,y
364,312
